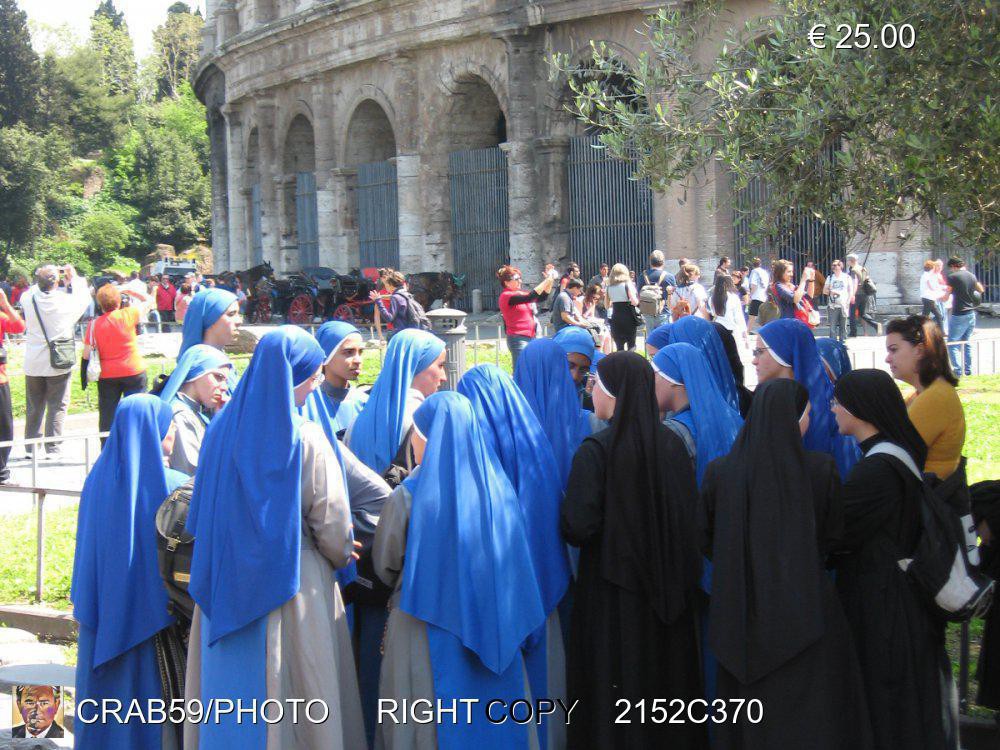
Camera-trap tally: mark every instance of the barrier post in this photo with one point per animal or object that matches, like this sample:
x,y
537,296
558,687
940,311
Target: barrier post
x,y
449,326
40,546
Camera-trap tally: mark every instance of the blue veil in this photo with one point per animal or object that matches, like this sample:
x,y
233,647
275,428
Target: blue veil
x,y
834,353
246,511
576,340
378,429
116,588
543,376
659,337
793,345
702,335
333,416
118,597
715,423
206,307
194,363
512,430
468,572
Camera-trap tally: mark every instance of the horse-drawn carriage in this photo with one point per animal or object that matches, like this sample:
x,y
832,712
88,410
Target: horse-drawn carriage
x,y
322,293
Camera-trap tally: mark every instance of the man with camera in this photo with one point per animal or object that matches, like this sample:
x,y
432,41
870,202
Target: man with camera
x,y
839,288
50,316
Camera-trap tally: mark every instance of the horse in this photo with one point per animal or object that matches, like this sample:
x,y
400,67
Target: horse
x,y
430,286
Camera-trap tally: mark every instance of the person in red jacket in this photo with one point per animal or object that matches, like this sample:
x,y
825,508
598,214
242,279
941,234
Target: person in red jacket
x,y
166,294
518,308
10,322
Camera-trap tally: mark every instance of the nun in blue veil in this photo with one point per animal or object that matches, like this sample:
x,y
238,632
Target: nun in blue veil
x,y
211,318
380,428
543,377
686,387
658,338
271,516
452,542
790,350
335,406
702,335
835,358
118,598
512,430
196,390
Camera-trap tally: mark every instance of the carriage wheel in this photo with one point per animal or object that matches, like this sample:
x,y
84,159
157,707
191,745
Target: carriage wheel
x,y
300,309
344,312
262,310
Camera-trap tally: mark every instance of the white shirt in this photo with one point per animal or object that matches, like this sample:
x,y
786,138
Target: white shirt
x,y
733,318
695,295
759,280
60,312
842,284
138,285
621,292
930,285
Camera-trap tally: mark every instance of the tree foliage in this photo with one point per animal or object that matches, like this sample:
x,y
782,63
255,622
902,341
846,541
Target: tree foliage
x,y
915,132
19,67
109,37
177,46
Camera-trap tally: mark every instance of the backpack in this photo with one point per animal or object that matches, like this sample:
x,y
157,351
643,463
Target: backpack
x,y
650,297
174,550
416,316
940,567
866,285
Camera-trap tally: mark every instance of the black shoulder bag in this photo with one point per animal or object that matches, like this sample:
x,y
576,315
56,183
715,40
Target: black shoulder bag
x,y
62,352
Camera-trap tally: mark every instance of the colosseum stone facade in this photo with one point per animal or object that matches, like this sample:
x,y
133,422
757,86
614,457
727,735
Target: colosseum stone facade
x,y
428,134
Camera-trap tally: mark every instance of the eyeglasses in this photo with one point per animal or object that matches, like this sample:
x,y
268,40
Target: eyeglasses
x,y
515,278
834,403
759,350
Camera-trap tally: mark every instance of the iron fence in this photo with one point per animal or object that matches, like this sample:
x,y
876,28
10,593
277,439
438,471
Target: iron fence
x,y
378,215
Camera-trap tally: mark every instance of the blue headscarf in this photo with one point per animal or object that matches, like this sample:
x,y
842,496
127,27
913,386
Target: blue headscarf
x,y
543,376
468,566
206,307
715,422
702,335
834,353
513,432
659,337
333,416
576,340
793,345
378,430
194,363
246,511
117,591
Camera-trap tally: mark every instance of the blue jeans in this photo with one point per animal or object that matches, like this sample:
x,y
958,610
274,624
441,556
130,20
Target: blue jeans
x,y
516,344
960,328
654,321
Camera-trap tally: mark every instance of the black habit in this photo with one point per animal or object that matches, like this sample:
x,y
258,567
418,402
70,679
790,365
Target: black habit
x,y
630,507
771,513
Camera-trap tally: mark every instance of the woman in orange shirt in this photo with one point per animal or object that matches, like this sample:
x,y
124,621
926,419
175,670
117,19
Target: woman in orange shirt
x,y
113,335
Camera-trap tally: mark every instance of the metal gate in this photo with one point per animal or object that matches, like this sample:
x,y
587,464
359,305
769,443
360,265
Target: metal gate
x,y
610,214
256,230
378,215
306,219
801,236
479,228
987,272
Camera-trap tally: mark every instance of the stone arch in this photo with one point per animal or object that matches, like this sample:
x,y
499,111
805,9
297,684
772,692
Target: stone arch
x,y
476,116
370,136
299,152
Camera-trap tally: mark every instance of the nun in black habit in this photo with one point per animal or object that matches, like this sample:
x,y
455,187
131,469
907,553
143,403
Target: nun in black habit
x,y
986,510
900,642
771,514
630,507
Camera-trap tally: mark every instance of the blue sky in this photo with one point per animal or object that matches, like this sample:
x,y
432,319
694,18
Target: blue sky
x,y
142,17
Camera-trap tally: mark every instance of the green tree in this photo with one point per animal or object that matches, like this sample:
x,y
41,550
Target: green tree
x,y
29,174
104,234
19,67
920,126
76,101
177,46
110,38
106,9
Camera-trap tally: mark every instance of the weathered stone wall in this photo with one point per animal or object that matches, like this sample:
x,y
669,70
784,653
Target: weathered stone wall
x,y
326,85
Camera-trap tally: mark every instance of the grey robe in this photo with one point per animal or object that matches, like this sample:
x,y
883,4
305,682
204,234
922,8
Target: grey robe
x,y
189,436
309,652
406,660
414,399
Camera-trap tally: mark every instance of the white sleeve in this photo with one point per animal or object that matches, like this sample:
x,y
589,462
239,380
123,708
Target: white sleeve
x,y
80,295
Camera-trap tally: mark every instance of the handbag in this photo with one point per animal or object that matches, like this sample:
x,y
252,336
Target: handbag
x,y
805,312
94,363
62,352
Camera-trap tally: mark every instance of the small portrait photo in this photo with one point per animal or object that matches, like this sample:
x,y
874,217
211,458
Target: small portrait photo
x,y
37,712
